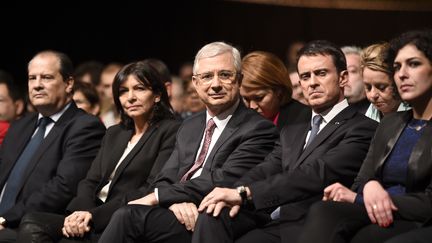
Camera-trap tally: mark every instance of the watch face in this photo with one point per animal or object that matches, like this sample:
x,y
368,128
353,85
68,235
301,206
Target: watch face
x,y
2,221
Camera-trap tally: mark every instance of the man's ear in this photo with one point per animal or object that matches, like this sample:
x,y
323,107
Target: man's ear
x,y
239,78
69,85
168,87
19,107
343,78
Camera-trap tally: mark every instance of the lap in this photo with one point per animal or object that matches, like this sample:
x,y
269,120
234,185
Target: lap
x,y
8,235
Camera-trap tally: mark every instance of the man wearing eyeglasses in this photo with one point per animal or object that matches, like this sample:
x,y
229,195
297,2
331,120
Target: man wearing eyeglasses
x,y
214,148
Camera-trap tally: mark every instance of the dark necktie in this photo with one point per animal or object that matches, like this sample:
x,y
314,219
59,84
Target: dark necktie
x,y
207,140
316,122
15,177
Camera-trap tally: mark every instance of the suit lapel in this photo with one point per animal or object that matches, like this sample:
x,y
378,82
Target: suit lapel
x,y
328,130
230,128
145,137
193,141
298,132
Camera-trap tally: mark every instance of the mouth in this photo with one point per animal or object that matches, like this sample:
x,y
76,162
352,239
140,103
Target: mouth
x,y
405,87
217,96
38,95
315,94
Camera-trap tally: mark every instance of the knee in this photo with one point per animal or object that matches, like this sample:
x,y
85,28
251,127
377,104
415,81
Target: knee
x,y
123,213
30,223
321,210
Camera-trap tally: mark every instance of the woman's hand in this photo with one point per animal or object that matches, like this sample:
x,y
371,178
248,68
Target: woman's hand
x,y
77,224
378,204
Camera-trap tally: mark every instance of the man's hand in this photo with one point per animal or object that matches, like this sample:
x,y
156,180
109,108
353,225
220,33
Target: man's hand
x,y
378,204
1,227
219,198
339,193
77,224
149,200
186,213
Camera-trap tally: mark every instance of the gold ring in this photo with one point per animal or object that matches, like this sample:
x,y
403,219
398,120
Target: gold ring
x,y
374,206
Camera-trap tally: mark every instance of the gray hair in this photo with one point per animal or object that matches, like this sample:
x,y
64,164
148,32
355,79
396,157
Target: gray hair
x,y
352,50
215,49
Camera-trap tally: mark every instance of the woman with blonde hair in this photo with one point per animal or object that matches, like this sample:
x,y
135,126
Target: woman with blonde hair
x,y
380,88
266,88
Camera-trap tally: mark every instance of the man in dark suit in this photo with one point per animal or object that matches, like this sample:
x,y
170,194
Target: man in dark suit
x,y
277,194
234,140
41,165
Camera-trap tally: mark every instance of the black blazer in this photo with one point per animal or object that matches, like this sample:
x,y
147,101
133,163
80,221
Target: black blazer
x,y
245,141
292,112
294,178
416,204
61,161
138,169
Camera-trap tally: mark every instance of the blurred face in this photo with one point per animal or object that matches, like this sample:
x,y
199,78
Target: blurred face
x,y
137,100
264,101
193,103
322,85
106,85
48,91
9,109
222,90
354,89
379,91
297,92
83,103
413,75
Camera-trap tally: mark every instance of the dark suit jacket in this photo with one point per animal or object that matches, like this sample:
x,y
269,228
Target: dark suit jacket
x,y
245,141
292,112
416,204
61,161
294,178
138,169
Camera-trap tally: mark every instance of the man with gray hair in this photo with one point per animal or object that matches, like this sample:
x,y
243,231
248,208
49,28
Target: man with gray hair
x,y
354,90
234,140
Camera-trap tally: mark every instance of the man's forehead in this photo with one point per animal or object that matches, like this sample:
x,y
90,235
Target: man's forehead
x,y
315,62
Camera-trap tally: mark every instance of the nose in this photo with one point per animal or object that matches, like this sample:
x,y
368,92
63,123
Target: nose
x,y
131,96
401,73
37,83
374,93
253,105
216,84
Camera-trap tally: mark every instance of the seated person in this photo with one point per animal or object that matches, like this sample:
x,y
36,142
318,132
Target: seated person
x,y
266,88
391,193
132,153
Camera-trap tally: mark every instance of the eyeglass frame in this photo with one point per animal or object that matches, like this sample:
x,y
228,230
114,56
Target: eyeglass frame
x,y
230,80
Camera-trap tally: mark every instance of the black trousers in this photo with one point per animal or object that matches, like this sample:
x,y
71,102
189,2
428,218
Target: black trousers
x,y
47,228
422,235
246,227
139,223
338,222
8,235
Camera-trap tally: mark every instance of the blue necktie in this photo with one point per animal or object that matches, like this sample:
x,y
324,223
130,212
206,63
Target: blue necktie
x,y
15,177
316,122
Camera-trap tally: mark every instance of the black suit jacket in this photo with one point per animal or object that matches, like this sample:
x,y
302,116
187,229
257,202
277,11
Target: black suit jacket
x,y
416,204
245,141
138,169
293,112
294,178
61,161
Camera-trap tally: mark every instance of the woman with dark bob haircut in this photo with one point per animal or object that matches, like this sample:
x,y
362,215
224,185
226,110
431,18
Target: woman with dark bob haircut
x,y
392,193
131,155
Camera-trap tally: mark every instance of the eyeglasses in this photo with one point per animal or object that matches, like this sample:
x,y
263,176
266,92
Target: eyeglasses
x,y
225,76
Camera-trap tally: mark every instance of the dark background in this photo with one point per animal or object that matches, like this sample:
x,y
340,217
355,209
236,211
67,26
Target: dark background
x,y
174,31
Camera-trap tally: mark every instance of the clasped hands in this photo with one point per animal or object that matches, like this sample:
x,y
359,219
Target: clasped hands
x,y
377,201
77,224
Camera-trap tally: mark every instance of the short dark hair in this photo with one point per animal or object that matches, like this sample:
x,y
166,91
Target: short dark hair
x,y
151,79
161,67
324,47
422,39
15,91
66,66
89,91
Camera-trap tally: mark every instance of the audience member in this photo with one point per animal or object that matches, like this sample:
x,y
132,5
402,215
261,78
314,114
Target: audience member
x,y
297,92
354,90
86,97
310,155
391,193
131,155
192,102
45,154
234,140
266,89
380,88
108,113
89,72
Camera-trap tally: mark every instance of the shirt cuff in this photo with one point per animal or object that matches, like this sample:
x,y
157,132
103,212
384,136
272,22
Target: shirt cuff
x,y
156,192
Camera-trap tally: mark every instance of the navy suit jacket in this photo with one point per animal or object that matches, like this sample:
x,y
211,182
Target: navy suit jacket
x,y
244,143
62,160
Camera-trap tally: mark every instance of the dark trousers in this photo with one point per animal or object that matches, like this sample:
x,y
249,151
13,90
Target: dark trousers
x,y
139,223
347,222
422,235
246,227
47,228
8,235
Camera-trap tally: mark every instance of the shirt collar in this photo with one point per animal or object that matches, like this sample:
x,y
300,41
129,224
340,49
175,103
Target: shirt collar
x,y
55,117
222,119
332,112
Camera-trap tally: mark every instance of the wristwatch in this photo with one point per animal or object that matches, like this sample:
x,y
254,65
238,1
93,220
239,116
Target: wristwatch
x,y
243,194
2,221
